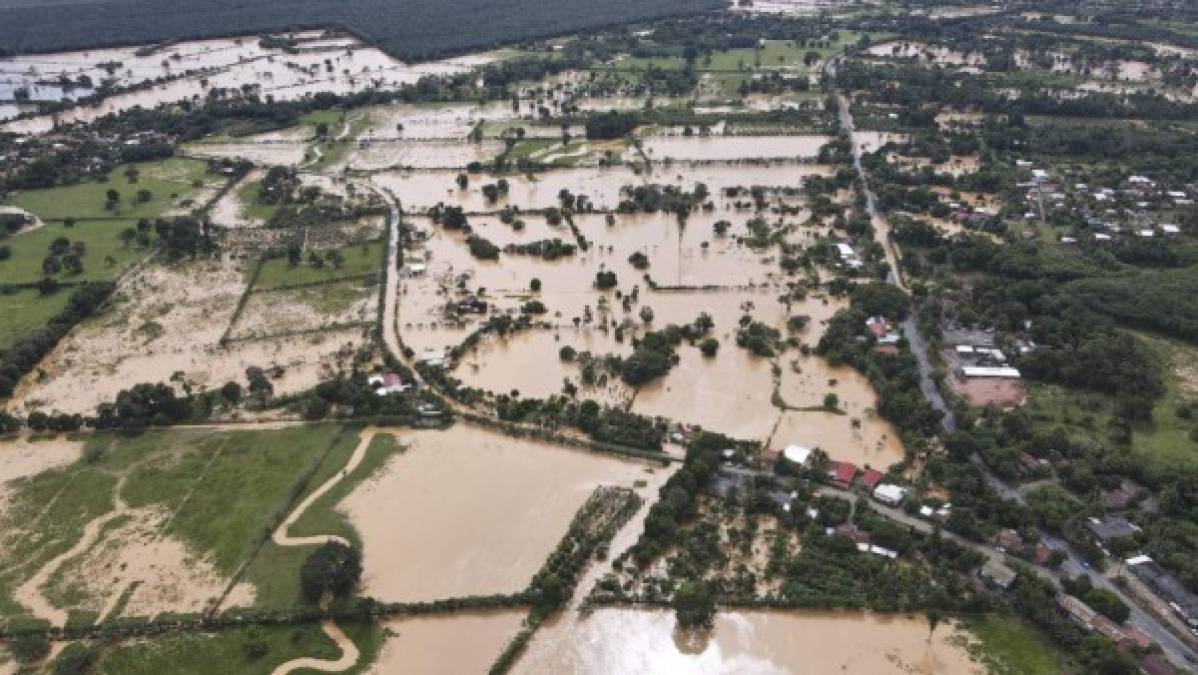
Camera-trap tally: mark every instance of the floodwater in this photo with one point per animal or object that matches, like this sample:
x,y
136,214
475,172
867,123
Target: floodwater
x,y
732,147
458,643
751,643
227,67
468,511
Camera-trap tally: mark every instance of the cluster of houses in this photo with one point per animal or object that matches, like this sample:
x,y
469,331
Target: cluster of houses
x,y
846,476
1101,206
1085,616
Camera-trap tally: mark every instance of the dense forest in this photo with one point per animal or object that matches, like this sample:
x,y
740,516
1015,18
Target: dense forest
x,y
413,29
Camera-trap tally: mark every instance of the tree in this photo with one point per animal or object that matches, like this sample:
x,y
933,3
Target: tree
x,y
605,280
231,392
831,401
709,347
334,568
463,180
535,285
694,605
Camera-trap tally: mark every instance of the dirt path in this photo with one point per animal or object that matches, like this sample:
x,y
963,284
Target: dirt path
x,y
30,594
349,652
280,535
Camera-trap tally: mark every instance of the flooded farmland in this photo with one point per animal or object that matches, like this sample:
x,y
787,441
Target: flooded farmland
x,y
431,523
457,643
757,643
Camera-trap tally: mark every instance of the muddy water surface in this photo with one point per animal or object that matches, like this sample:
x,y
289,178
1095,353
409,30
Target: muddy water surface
x,y
751,643
468,511
458,643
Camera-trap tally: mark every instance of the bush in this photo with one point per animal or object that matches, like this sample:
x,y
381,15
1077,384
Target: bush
x,y
333,568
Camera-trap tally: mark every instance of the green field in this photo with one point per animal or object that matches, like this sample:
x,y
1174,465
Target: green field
x,y
1089,416
281,590
230,651
247,198
1011,647
224,491
1170,438
104,258
26,311
359,260
169,182
771,55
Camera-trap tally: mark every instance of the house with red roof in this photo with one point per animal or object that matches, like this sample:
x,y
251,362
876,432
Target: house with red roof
x,y
870,479
842,474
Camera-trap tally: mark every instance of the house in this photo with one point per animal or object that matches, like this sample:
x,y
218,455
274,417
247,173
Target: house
x,y
842,474
1170,229
1008,540
388,383
890,494
998,574
1167,587
433,358
870,478
1080,612
1120,497
991,371
1114,527
797,454
880,328
877,550
416,269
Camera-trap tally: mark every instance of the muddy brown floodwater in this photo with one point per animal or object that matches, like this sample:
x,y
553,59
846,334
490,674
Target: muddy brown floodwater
x,y
752,643
458,643
469,511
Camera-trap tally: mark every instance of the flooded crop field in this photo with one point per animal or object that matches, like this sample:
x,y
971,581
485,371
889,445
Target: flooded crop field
x,y
423,532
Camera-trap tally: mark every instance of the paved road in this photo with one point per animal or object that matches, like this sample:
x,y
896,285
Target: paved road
x,y
1073,565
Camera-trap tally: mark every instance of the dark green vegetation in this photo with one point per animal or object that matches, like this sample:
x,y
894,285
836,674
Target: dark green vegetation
x,y
413,29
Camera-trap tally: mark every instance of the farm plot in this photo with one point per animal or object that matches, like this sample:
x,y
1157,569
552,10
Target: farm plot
x,y
151,524
166,324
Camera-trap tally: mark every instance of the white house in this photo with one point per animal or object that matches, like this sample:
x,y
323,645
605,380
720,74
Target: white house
x,y
890,494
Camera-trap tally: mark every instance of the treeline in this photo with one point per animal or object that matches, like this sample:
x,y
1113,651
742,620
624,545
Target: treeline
x,y
1157,300
26,352
418,29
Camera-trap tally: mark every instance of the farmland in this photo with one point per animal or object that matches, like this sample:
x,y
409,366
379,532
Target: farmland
x,y
787,337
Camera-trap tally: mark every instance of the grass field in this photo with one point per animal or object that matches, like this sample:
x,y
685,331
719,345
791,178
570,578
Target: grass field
x,y
359,260
230,651
247,198
1089,416
169,181
275,572
1170,438
771,55
223,490
1011,647
26,311
104,258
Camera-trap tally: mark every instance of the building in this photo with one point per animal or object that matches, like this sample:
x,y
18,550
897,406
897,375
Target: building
x,y
991,371
797,454
1114,527
890,494
842,474
388,383
1167,587
870,478
998,574
877,550
1008,540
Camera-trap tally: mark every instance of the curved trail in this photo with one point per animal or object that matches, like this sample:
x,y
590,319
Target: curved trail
x,y
280,535
30,593
349,651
